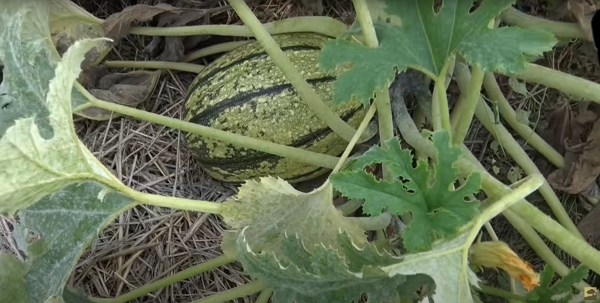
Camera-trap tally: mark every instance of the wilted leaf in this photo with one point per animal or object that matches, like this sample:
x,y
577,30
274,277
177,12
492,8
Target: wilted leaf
x,y
69,23
561,291
437,211
303,273
578,137
129,89
117,26
523,116
272,207
514,174
583,11
426,40
12,279
518,87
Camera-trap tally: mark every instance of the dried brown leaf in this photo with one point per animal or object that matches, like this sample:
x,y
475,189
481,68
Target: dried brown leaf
x,y
589,226
117,26
70,23
129,89
584,11
578,137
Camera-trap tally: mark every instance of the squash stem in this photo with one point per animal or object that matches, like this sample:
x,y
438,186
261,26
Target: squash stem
x,y
568,84
442,104
483,114
382,99
506,111
234,293
361,128
173,202
564,30
315,24
172,279
308,94
214,49
166,65
463,112
297,154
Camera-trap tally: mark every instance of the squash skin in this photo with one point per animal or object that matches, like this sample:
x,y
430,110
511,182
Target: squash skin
x,y
244,92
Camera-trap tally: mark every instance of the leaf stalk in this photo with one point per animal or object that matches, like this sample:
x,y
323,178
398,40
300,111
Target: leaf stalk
x,y
315,24
297,154
483,114
165,65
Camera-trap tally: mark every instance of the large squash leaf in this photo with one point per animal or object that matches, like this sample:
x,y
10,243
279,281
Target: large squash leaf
x,y
304,273
437,211
40,150
61,191
419,37
272,207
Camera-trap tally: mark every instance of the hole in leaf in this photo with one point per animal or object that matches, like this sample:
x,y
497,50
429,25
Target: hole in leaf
x,y
437,6
388,20
475,6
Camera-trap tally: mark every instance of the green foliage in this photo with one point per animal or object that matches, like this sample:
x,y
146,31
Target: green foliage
x,y
437,211
321,274
426,40
68,221
272,207
12,279
561,291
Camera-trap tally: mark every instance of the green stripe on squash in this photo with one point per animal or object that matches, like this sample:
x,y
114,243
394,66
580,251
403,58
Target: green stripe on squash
x,y
244,92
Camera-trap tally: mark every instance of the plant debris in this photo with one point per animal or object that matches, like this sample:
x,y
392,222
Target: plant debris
x,y
117,26
129,89
577,137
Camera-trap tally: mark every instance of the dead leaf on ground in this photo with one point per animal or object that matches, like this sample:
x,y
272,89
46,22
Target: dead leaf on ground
x,y
577,137
70,23
589,227
129,89
584,11
172,49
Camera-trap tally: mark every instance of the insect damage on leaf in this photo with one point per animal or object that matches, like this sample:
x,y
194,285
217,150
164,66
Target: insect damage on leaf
x,y
426,40
40,151
304,273
437,210
272,207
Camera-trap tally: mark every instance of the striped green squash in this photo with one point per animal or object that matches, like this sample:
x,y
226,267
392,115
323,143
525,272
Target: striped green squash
x,y
244,92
